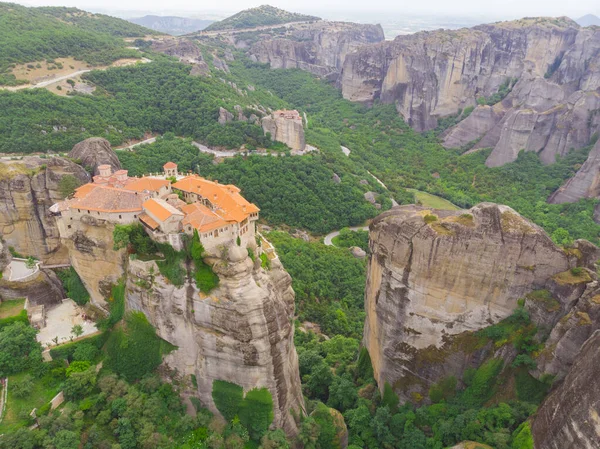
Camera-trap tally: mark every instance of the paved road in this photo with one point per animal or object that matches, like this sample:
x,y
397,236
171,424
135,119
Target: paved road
x,y
127,148
329,237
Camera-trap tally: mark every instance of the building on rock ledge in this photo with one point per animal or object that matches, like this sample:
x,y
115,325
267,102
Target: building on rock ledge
x,y
219,213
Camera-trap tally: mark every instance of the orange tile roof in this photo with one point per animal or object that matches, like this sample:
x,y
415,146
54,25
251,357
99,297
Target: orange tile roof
x,y
160,209
226,198
170,165
106,199
147,219
201,217
147,184
81,192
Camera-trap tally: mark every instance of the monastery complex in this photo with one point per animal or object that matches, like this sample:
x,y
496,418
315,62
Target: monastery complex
x,y
166,205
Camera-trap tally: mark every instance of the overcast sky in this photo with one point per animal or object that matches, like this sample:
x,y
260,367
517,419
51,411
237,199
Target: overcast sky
x,y
475,8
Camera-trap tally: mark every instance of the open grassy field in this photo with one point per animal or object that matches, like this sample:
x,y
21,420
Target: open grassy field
x,y
11,307
435,202
18,409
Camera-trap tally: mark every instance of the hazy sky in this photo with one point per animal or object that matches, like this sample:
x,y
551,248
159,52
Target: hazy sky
x,y
476,8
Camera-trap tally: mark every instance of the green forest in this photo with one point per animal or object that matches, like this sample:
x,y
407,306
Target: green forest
x,y
36,34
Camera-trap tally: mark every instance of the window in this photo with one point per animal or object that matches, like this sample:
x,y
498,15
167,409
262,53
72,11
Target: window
x,y
119,217
135,216
89,212
69,226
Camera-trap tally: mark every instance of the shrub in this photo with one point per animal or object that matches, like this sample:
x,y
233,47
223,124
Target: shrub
x,y
429,218
133,350
228,398
74,286
256,413
23,387
390,399
85,352
67,185
205,277
576,271
265,261
522,438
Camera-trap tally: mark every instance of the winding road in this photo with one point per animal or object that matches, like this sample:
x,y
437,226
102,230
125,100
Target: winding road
x,y
328,240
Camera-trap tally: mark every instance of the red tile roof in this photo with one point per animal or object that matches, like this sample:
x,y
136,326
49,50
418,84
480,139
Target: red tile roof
x,y
170,165
106,199
225,198
160,209
147,184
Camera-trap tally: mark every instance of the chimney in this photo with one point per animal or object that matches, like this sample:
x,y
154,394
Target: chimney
x,y
121,175
105,170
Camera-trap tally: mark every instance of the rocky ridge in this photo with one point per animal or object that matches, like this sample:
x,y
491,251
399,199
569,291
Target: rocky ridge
x,y
551,108
320,48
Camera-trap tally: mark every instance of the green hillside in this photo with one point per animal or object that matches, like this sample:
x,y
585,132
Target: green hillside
x,y
96,22
37,34
260,16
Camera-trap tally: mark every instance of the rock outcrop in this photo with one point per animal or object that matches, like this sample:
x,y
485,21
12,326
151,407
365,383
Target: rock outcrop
x,y
286,127
93,152
551,109
28,188
585,183
319,48
185,50
89,243
569,418
241,332
434,277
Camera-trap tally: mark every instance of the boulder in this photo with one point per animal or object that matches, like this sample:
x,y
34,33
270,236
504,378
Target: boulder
x,y
224,116
357,252
93,152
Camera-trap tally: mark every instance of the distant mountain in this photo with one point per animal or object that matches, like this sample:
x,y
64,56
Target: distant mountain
x,y
171,24
588,19
260,16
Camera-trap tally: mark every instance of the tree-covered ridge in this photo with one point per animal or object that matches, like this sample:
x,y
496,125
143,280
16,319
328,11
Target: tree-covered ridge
x,y
260,16
29,35
100,23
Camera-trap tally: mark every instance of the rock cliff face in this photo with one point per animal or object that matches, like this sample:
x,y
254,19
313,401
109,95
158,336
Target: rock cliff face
x,y
585,183
551,109
93,152
186,50
89,243
569,418
27,190
430,283
319,48
242,332
286,127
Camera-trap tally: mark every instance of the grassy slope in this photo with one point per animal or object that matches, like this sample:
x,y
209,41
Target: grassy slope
x,y
433,201
11,307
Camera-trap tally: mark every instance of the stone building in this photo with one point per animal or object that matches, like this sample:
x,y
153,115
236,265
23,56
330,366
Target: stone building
x,y
218,212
